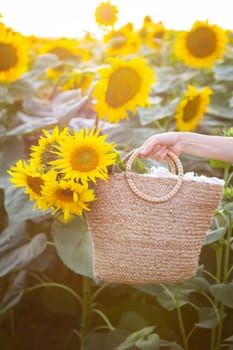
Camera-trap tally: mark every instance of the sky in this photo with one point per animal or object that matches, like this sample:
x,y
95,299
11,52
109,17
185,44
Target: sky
x,y
71,18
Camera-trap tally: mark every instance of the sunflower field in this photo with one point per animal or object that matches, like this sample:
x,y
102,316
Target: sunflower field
x,y
70,111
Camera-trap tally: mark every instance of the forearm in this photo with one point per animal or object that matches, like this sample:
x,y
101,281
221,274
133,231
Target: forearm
x,y
207,146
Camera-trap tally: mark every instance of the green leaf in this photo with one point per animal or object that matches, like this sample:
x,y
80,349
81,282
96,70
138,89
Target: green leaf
x,y
229,339
150,289
22,256
219,106
223,72
14,292
106,340
131,320
41,65
169,80
223,293
149,115
18,205
152,342
167,299
11,149
20,89
13,235
214,235
31,123
134,337
228,207
208,318
67,104
170,344
219,164
74,245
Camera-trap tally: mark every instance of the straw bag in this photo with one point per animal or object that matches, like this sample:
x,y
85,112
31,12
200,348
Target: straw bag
x,y
149,229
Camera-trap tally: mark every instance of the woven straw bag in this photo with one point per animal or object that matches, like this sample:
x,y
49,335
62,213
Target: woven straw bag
x,y
148,229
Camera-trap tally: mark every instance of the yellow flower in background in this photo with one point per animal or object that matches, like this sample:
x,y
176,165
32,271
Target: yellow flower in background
x,y
25,174
66,196
43,153
56,72
84,156
106,14
122,87
201,46
13,55
78,80
65,49
190,111
155,35
124,41
147,24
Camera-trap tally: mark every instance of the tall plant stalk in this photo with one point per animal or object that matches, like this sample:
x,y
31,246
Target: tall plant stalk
x,y
86,308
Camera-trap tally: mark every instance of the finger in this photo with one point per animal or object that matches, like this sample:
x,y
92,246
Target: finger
x,y
148,148
159,153
163,154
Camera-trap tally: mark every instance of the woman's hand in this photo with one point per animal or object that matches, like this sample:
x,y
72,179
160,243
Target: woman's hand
x,y
157,146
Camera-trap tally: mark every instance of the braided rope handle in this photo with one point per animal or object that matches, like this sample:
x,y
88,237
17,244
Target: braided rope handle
x,y
176,166
169,160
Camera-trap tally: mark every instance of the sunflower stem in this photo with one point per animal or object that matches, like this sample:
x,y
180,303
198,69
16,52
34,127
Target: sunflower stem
x,y
86,309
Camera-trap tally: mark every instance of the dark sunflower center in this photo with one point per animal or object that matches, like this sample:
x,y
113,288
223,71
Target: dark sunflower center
x,y
202,42
65,195
8,56
123,85
62,52
159,34
84,159
191,109
35,184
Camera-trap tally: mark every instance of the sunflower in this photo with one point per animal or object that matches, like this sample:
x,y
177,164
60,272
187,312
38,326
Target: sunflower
x,y
78,80
13,57
65,49
84,156
66,196
191,108
25,174
122,86
155,35
124,41
106,14
42,153
201,46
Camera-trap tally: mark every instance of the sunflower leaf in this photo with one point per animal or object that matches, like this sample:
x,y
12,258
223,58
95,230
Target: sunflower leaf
x,y
14,293
18,205
20,89
74,246
22,256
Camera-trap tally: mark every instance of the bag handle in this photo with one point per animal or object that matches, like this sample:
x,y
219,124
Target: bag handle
x,y
175,165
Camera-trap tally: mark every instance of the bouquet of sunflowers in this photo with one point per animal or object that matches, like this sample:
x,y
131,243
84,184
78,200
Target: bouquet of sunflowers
x,y
62,169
